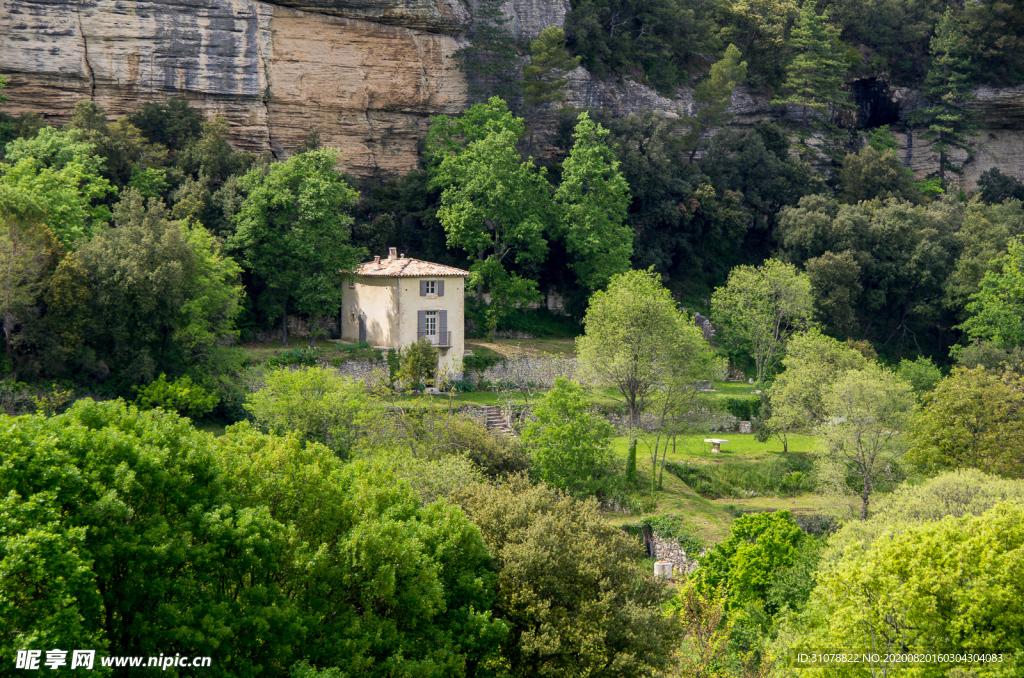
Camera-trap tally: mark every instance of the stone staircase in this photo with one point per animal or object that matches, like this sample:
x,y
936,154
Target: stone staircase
x,y
495,420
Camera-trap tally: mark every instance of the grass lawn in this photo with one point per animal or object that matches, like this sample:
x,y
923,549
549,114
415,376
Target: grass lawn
x,y
741,446
710,519
733,389
533,348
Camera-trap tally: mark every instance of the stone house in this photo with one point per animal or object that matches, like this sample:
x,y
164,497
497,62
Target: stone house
x,y
393,302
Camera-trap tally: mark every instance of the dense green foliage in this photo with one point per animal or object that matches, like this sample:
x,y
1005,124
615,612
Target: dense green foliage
x,y
570,445
574,599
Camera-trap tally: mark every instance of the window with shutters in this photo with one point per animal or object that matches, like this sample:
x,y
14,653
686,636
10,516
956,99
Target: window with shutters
x,y
431,326
431,288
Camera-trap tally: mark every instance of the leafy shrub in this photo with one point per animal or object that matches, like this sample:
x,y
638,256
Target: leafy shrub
x,y
419,364
479,363
179,395
744,409
294,356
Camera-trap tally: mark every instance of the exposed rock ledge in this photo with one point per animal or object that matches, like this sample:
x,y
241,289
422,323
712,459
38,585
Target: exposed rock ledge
x,y
366,73
276,73
444,16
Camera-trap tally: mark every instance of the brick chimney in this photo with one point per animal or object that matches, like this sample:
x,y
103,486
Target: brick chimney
x,y
392,253
376,260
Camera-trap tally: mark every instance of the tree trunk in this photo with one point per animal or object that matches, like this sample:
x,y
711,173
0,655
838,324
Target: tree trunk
x,y
8,351
865,498
284,324
664,455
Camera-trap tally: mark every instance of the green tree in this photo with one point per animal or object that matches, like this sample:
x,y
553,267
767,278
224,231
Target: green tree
x,y
163,295
180,395
760,308
874,173
544,78
634,338
981,242
211,154
63,177
23,257
293,232
498,209
594,198
134,545
712,97
756,171
317,404
941,586
815,75
418,363
971,420
997,307
571,446
129,159
867,412
813,363
949,122
743,565
570,586
903,253
384,586
921,374
173,123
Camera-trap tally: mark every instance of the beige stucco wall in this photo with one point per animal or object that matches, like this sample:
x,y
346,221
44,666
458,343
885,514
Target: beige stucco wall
x,y
376,298
453,301
391,306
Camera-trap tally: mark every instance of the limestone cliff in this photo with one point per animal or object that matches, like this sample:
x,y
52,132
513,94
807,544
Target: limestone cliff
x,y
273,71
366,73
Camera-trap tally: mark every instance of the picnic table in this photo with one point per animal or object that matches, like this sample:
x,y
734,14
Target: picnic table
x,y
716,443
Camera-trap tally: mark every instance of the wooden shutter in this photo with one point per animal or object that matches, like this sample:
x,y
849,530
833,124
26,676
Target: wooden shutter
x,y
423,288
442,328
421,321
440,288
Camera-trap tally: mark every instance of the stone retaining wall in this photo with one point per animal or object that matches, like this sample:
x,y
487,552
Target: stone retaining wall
x,y
539,371
671,552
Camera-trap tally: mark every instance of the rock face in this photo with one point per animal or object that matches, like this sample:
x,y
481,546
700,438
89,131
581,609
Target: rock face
x,y
366,73
445,16
276,73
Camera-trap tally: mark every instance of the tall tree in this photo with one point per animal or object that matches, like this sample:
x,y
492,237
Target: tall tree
x,y
813,363
867,411
571,446
997,307
634,335
814,77
760,308
712,97
570,586
498,209
971,420
594,198
545,77
23,258
948,85
64,177
293,231
163,295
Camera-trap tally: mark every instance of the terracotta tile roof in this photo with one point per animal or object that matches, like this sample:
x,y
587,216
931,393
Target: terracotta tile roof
x,y
409,268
